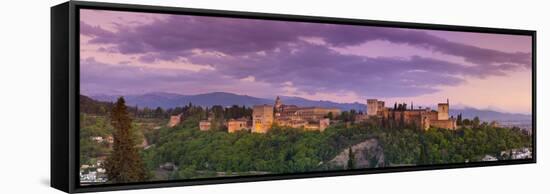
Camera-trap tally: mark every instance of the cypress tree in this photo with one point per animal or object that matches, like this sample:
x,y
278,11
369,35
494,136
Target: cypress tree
x,y
459,119
351,159
124,163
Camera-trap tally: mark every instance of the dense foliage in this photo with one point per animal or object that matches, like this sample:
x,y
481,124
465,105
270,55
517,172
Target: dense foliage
x,y
93,126
285,150
441,146
99,126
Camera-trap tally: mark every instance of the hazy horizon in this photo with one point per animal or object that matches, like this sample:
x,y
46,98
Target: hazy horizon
x,y
138,53
458,106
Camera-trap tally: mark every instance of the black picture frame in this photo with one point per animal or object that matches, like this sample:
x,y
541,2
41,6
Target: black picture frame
x,y
65,94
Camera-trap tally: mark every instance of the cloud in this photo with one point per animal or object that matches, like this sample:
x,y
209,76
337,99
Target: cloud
x,y
124,79
240,36
314,69
275,53
95,31
98,77
355,35
181,33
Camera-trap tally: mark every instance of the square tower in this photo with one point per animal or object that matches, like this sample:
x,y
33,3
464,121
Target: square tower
x,y
381,106
262,118
443,111
372,107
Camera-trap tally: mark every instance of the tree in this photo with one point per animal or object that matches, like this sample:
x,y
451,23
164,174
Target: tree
x,y
466,122
351,159
159,113
476,121
344,116
459,119
352,114
124,163
330,115
423,158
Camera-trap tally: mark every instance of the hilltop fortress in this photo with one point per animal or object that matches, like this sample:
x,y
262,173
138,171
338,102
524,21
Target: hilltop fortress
x,y
265,116
421,118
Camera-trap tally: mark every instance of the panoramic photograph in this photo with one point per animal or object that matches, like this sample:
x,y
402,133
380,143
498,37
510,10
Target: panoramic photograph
x,y
179,97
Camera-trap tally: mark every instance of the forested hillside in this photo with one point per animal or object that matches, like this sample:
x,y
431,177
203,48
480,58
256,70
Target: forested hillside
x,y
199,154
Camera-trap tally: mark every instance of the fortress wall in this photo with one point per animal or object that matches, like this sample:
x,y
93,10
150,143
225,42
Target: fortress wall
x,y
444,124
236,125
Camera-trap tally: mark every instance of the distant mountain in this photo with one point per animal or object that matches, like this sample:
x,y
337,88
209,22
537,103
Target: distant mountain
x,y
322,103
152,100
489,115
170,100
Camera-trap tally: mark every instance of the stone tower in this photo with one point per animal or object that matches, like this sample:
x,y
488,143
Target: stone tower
x,y
372,107
262,118
443,111
278,103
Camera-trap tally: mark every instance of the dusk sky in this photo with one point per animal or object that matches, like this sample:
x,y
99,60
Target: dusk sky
x,y
124,53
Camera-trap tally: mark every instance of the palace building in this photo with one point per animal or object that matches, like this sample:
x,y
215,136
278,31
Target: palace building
x,y
205,125
234,125
174,120
309,118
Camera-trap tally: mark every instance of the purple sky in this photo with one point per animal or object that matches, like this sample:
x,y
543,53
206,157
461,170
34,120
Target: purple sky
x,y
134,53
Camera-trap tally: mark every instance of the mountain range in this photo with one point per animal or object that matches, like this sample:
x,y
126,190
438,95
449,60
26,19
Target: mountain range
x,y
170,100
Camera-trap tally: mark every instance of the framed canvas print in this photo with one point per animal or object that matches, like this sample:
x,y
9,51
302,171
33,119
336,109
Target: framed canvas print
x,y
148,96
